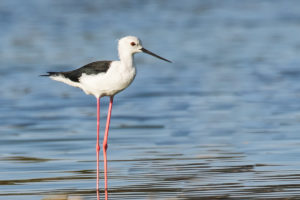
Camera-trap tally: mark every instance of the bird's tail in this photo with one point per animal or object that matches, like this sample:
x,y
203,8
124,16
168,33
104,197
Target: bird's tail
x,y
51,74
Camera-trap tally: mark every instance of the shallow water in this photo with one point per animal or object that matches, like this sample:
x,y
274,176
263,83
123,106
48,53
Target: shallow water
x,y
221,122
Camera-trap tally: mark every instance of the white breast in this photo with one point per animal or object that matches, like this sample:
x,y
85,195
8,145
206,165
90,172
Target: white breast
x,y
117,78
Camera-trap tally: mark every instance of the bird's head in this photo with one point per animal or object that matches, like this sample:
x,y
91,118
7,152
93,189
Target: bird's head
x,y
132,45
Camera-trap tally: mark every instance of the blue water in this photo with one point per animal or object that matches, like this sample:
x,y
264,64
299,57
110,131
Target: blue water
x,y
221,122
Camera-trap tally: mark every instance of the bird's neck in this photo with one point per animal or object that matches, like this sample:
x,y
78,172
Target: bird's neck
x,y
127,59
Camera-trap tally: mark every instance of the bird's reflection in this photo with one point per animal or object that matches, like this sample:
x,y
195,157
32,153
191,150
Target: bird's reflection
x,y
105,192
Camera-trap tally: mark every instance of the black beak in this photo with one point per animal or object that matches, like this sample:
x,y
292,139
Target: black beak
x,y
153,54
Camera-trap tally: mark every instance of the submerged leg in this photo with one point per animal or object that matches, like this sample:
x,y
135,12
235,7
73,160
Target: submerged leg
x,y
105,143
97,144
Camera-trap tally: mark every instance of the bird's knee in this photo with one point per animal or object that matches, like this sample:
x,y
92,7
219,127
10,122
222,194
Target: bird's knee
x,y
104,147
97,147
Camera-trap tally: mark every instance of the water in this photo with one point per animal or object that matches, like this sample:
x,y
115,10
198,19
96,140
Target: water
x,y
221,122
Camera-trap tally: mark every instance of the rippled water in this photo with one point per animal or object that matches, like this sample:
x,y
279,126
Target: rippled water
x,y
221,122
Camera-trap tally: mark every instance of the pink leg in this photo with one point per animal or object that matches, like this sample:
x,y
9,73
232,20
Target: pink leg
x,y
97,145
98,196
105,144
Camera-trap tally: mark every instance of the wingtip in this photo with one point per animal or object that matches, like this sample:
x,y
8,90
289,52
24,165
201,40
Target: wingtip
x,y
49,74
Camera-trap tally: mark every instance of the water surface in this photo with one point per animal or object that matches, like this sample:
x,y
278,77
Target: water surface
x,y
221,122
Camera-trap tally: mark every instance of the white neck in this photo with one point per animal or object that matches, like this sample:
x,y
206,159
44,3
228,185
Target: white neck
x,y
126,58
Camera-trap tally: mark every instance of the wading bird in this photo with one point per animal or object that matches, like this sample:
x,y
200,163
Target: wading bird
x,y
105,78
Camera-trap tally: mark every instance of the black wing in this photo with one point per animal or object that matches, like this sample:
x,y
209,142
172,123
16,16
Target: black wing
x,y
91,68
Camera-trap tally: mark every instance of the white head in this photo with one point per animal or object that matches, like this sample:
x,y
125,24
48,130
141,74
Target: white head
x,y
130,45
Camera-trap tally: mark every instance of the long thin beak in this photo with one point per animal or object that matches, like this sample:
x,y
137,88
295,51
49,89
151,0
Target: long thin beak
x,y
153,54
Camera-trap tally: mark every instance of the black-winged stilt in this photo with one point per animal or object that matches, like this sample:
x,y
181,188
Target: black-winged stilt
x,y
105,78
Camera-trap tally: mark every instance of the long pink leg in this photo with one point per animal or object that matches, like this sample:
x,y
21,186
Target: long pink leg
x,y
97,145
105,143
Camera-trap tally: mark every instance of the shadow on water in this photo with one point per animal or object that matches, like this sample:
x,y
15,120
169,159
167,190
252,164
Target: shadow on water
x,y
221,122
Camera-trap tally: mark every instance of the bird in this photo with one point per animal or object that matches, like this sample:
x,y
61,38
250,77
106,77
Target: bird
x,y
106,78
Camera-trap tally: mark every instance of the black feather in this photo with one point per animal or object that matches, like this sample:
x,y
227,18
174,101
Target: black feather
x,y
91,68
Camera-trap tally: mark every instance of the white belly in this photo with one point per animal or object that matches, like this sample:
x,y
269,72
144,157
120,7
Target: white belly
x,y
116,79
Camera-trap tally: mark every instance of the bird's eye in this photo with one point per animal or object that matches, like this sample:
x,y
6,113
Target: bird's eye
x,y
132,43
